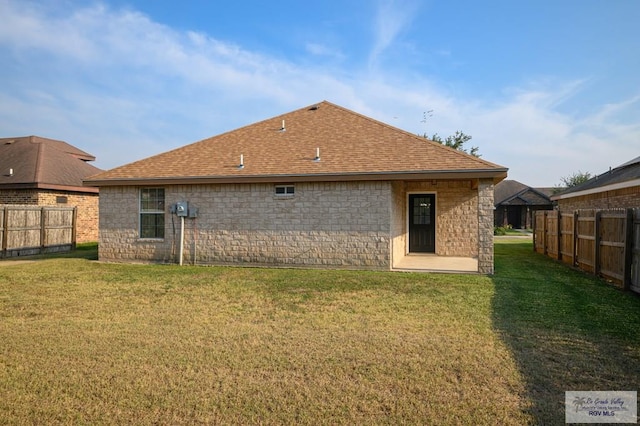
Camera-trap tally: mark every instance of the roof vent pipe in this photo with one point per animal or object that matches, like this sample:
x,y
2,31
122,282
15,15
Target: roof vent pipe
x,y
241,165
283,129
317,155
10,172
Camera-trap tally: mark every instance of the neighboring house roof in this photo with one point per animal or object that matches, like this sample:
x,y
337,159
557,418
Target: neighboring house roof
x,y
624,176
512,192
32,162
283,148
547,191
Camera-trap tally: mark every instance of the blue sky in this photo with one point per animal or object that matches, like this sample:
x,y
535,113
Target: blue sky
x,y
546,88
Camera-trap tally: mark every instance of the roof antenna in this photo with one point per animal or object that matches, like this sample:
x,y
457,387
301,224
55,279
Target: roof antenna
x,y
241,165
317,155
283,129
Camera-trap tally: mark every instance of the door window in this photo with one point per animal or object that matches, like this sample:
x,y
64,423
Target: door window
x,y
422,211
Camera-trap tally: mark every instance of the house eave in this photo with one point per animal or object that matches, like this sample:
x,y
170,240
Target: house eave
x,y
496,174
47,186
605,188
519,196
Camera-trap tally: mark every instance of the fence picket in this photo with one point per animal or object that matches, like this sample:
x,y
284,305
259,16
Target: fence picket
x,y
596,244
27,230
602,242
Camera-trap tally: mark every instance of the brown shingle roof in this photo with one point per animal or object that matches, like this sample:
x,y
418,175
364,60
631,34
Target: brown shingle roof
x,y
351,146
43,163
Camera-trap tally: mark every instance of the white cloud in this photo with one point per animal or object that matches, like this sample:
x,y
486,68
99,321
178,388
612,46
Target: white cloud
x,y
541,145
319,49
393,16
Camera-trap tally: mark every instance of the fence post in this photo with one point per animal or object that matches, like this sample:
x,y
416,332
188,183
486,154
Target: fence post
x,y
544,233
74,224
559,234
536,239
628,250
533,227
43,233
596,248
574,254
5,232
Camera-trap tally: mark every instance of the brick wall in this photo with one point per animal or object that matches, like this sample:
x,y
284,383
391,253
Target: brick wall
x,y
618,199
88,210
322,225
20,197
87,203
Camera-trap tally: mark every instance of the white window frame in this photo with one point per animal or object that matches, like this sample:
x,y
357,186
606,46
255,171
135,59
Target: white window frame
x,y
288,191
158,211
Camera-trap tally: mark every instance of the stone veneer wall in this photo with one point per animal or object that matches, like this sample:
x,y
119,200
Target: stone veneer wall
x,y
464,219
324,224
485,226
87,203
618,199
456,215
399,221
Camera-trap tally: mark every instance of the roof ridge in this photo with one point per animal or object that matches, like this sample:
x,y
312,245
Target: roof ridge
x,y
523,191
63,146
37,171
418,137
307,107
220,135
627,164
354,144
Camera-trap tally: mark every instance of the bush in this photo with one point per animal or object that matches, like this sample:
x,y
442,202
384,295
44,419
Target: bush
x,y
501,230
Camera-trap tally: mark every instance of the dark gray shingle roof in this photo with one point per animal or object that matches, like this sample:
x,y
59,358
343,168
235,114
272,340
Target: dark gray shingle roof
x,y
512,192
623,173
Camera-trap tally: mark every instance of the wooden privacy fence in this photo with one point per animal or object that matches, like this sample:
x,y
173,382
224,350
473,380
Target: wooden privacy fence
x,y
603,242
28,230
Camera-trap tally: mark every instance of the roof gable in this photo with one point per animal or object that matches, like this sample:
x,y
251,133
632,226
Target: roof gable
x,y
287,145
37,162
512,192
507,189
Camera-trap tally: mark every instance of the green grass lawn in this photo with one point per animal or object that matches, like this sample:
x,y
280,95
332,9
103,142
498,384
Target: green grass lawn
x,y
92,343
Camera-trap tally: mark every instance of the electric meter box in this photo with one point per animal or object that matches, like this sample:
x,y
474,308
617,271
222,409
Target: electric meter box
x,y
182,209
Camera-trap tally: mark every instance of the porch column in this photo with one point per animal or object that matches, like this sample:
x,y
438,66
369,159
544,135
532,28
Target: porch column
x,y
485,226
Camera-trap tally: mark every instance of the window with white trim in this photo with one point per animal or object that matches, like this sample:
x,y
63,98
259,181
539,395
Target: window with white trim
x,y
152,213
285,190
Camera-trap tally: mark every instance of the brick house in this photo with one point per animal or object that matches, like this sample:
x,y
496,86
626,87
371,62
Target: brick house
x,y
47,172
515,203
321,186
617,188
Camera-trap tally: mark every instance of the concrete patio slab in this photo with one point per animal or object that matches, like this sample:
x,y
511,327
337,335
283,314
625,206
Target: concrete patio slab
x,y
433,263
